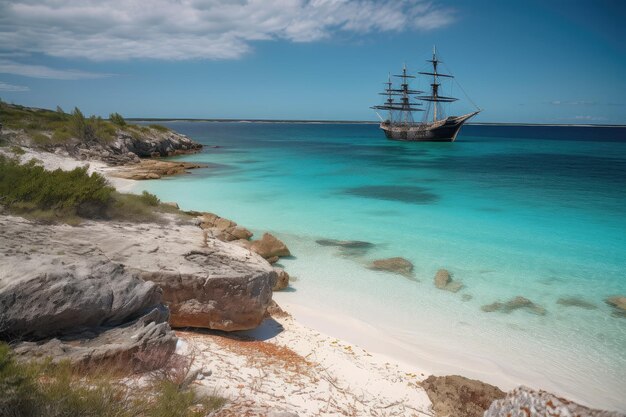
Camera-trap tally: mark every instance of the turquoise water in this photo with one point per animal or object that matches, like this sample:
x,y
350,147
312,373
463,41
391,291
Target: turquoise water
x,y
532,211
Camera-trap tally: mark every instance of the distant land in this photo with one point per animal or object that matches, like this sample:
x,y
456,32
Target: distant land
x,y
365,122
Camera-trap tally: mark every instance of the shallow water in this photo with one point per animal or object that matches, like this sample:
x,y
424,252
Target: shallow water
x,y
531,211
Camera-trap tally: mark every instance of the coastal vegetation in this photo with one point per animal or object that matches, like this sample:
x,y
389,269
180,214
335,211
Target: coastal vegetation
x,y
38,388
52,128
69,196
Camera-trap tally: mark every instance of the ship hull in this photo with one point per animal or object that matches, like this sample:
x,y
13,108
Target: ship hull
x,y
442,131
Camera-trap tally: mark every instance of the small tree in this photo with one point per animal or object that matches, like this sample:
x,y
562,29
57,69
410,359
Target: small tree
x,y
117,119
78,124
60,110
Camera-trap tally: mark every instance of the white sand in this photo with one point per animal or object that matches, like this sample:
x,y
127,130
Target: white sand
x,y
286,366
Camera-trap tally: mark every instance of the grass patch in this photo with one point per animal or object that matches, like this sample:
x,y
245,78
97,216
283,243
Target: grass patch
x,y
160,128
60,390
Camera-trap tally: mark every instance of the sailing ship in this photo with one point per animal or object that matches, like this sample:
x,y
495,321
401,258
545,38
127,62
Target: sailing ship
x,y
402,101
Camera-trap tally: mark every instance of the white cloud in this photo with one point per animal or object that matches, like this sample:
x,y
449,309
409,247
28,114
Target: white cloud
x,y
40,71
191,29
11,87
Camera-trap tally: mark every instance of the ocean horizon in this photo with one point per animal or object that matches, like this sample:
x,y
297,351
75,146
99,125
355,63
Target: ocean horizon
x,y
510,211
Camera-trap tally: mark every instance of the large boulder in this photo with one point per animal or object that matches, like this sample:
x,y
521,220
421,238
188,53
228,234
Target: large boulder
x,y
520,402
269,246
231,294
396,265
457,396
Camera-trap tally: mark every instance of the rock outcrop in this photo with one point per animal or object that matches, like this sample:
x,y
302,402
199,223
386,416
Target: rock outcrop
x,y
71,302
457,396
513,304
209,284
269,246
151,169
396,265
525,402
282,279
220,227
133,143
44,296
443,281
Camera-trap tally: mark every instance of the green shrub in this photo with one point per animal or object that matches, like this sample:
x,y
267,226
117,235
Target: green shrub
x,y
117,119
78,124
65,191
130,207
150,199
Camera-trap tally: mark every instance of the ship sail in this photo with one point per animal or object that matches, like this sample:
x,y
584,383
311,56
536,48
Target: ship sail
x,y
402,101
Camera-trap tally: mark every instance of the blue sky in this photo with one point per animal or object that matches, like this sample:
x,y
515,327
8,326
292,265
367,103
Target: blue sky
x,y
521,61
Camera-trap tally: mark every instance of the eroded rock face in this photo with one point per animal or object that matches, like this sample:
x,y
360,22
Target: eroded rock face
x,y
142,344
44,296
520,402
457,396
443,281
67,300
269,246
231,295
396,265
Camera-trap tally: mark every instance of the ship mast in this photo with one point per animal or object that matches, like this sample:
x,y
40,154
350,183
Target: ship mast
x,y
404,106
434,96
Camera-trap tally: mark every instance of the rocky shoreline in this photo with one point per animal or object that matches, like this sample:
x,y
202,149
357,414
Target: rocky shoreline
x,y
110,291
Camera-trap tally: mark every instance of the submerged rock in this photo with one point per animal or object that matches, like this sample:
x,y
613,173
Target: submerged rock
x,y
513,304
443,281
396,265
351,244
618,302
457,396
520,402
282,279
269,246
576,302
149,169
